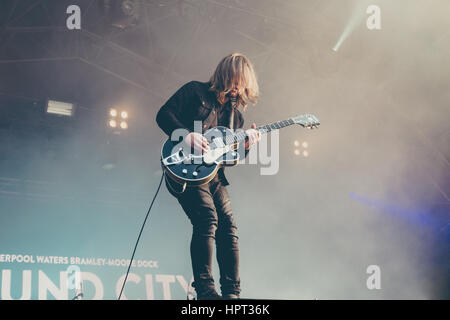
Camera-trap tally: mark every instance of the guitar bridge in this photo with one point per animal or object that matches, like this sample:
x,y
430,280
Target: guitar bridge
x,y
174,158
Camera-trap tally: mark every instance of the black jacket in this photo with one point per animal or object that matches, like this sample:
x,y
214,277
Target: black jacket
x,y
193,101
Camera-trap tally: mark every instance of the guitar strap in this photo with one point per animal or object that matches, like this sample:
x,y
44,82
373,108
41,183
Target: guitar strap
x,y
233,105
212,120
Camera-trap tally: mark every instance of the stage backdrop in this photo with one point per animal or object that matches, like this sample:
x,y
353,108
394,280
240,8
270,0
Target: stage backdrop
x,y
47,240
366,194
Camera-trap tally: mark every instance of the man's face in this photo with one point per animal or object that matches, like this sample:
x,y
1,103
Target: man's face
x,y
234,92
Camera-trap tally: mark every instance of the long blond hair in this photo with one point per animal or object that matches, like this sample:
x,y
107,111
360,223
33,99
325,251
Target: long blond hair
x,y
235,70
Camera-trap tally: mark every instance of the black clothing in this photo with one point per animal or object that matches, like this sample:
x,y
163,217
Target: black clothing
x,y
208,206
193,101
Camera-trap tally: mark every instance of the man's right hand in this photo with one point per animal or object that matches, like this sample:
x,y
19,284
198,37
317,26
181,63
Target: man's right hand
x,y
197,141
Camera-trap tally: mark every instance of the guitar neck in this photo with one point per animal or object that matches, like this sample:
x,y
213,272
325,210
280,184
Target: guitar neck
x,y
240,136
275,125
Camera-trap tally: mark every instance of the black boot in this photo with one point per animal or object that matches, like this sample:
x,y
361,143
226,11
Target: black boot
x,y
209,295
230,296
206,292
230,289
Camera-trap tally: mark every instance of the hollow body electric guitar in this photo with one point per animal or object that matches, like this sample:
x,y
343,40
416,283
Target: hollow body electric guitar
x,y
185,167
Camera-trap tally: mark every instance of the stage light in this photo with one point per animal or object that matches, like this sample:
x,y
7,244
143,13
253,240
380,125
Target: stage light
x,y
112,123
118,123
61,108
297,151
355,20
123,125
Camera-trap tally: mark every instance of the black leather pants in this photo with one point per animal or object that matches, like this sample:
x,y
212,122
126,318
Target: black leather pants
x,y
208,208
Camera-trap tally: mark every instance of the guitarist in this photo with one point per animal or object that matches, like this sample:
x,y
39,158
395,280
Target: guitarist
x,y
208,208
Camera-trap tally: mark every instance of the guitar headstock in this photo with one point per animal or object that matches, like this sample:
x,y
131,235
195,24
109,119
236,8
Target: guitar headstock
x,y
308,121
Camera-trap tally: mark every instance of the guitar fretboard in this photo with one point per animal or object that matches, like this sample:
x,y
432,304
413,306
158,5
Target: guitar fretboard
x,y
240,136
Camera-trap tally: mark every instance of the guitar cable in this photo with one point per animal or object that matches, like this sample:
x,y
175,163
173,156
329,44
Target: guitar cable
x,y
140,233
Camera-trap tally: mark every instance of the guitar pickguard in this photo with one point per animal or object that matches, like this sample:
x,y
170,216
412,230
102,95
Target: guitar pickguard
x,y
213,155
